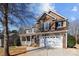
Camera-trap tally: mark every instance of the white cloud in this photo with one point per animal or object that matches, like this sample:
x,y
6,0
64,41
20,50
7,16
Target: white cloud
x,y
73,18
47,7
75,8
39,8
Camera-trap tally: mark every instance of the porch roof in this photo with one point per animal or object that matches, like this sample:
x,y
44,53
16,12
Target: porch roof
x,y
40,33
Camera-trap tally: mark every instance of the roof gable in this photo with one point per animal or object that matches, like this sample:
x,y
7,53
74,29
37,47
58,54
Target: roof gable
x,y
57,15
52,16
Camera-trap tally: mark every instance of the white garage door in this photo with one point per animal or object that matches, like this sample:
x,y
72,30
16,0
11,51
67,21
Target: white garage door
x,y
50,41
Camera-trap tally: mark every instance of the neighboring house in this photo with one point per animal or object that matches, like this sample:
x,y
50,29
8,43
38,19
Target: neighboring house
x,y
13,40
49,31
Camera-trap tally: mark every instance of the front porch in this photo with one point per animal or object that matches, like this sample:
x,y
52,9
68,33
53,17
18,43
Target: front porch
x,y
32,39
29,40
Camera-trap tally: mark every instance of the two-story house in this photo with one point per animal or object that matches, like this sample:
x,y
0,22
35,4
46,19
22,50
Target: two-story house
x,y
49,31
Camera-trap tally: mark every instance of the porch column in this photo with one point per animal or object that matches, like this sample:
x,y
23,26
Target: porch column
x,y
33,39
26,40
36,39
30,40
21,40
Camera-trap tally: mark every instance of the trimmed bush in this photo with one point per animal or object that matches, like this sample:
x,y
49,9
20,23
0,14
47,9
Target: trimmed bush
x,y
71,41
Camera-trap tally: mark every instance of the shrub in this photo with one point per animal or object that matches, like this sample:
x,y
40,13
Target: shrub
x,y
17,40
71,41
78,41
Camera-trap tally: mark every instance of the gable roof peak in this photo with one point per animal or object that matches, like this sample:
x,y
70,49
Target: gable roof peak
x,y
55,12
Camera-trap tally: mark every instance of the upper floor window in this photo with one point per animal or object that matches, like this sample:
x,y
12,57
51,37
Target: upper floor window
x,y
33,30
59,24
46,25
42,27
28,31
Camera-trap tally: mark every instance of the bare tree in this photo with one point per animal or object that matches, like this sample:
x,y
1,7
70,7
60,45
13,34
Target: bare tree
x,y
16,14
74,28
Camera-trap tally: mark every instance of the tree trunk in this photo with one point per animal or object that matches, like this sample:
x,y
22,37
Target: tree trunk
x,y
5,27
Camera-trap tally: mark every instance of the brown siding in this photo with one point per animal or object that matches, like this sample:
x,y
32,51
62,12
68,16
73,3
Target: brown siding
x,y
38,27
47,18
64,24
55,15
53,25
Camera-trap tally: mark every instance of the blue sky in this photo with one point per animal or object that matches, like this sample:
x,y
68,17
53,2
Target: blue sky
x,y
68,10
71,11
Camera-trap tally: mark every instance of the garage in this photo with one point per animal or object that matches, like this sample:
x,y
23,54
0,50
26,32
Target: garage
x,y
55,41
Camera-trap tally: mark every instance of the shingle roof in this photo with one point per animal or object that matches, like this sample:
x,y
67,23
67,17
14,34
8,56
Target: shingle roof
x,y
48,13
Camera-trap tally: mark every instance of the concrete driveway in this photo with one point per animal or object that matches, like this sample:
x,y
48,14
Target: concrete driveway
x,y
51,52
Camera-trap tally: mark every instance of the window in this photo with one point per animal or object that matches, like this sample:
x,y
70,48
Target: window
x,y
54,37
33,30
58,24
23,39
28,31
42,27
46,25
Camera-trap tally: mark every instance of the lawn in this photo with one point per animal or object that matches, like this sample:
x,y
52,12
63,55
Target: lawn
x,y
14,50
